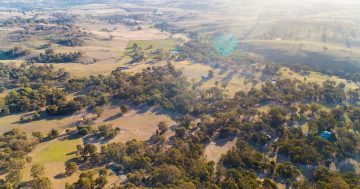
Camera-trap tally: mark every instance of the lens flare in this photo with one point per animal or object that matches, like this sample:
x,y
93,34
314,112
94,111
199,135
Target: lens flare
x,y
225,44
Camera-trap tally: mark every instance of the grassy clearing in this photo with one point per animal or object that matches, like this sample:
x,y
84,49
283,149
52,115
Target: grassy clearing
x,y
114,57
332,49
139,123
165,44
45,125
195,71
53,155
315,77
86,70
214,151
58,151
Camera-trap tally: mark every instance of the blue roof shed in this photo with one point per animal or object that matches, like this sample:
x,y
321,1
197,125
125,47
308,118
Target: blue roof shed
x,y
325,135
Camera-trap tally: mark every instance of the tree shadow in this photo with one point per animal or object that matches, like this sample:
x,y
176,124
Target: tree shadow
x,y
71,153
223,70
141,109
223,141
160,111
72,136
346,166
111,118
4,56
229,77
92,139
60,176
63,175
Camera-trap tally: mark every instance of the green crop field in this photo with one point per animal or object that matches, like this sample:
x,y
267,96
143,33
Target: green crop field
x,y
57,151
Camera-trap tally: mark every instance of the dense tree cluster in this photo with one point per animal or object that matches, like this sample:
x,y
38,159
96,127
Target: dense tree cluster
x,y
12,76
70,42
14,146
289,91
130,20
202,52
241,165
87,180
174,168
305,150
13,53
28,99
39,178
103,132
21,21
51,57
158,85
324,178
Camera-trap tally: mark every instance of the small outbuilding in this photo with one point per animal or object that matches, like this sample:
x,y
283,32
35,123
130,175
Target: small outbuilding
x,y
326,135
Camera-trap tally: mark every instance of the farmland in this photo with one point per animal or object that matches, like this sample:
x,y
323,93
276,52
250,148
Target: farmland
x,y
179,94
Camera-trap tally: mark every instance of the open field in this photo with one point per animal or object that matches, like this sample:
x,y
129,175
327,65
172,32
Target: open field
x,y
195,73
300,47
53,155
103,48
139,123
165,44
316,78
237,82
215,150
111,56
44,125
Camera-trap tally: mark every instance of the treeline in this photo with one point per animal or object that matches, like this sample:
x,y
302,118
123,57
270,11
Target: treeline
x,y
289,91
162,86
36,88
22,21
129,20
13,53
166,87
12,76
159,85
70,42
56,18
51,57
14,149
202,52
28,99
345,70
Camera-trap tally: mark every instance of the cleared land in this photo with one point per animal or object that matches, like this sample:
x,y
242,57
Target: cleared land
x,y
139,123
44,125
215,150
53,155
113,57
